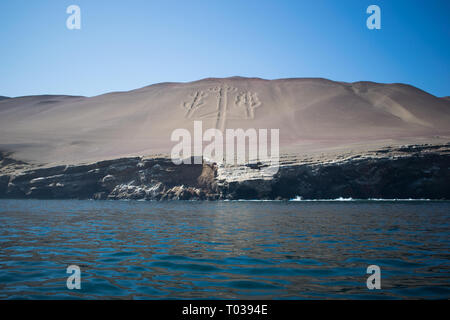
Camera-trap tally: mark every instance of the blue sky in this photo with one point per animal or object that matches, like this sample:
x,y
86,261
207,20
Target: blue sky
x,y
123,45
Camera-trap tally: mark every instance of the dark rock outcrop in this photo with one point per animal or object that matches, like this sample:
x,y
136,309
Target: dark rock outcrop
x,y
407,172
127,178
416,177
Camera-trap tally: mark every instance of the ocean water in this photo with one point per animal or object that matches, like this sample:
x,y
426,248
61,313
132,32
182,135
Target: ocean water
x,y
224,250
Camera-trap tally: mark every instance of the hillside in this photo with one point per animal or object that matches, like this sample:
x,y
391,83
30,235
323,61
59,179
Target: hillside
x,y
312,115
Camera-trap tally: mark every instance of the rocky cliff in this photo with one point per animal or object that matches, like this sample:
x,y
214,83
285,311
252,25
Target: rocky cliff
x,y
414,171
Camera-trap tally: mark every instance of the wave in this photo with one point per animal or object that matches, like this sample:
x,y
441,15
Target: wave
x,y
299,198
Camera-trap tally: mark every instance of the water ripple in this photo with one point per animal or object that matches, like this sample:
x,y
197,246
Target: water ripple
x,y
223,250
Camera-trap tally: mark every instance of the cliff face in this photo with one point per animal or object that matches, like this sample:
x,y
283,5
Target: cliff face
x,y
125,178
416,177
408,172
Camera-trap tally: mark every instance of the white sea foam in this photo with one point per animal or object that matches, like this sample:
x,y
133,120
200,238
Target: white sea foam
x,y
299,198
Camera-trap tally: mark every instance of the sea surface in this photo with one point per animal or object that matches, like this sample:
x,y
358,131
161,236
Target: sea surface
x,y
224,250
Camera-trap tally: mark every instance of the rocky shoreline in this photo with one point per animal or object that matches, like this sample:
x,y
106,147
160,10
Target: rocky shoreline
x,y
413,171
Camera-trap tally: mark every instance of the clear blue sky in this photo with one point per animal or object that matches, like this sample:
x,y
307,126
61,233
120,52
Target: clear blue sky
x,y
124,45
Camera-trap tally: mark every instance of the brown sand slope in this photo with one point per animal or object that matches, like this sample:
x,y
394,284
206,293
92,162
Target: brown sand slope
x,y
312,114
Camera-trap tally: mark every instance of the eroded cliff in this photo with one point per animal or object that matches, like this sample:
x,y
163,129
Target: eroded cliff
x,y
415,171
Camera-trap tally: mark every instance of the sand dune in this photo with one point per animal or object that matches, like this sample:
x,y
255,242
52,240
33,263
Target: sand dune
x,y
312,114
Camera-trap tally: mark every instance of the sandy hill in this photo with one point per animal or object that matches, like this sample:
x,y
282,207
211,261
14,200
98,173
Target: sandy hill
x,y
312,114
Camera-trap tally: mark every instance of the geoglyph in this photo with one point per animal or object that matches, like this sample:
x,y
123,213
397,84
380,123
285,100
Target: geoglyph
x,y
221,103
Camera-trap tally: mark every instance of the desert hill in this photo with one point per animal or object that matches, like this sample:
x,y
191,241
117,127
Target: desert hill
x,y
311,113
